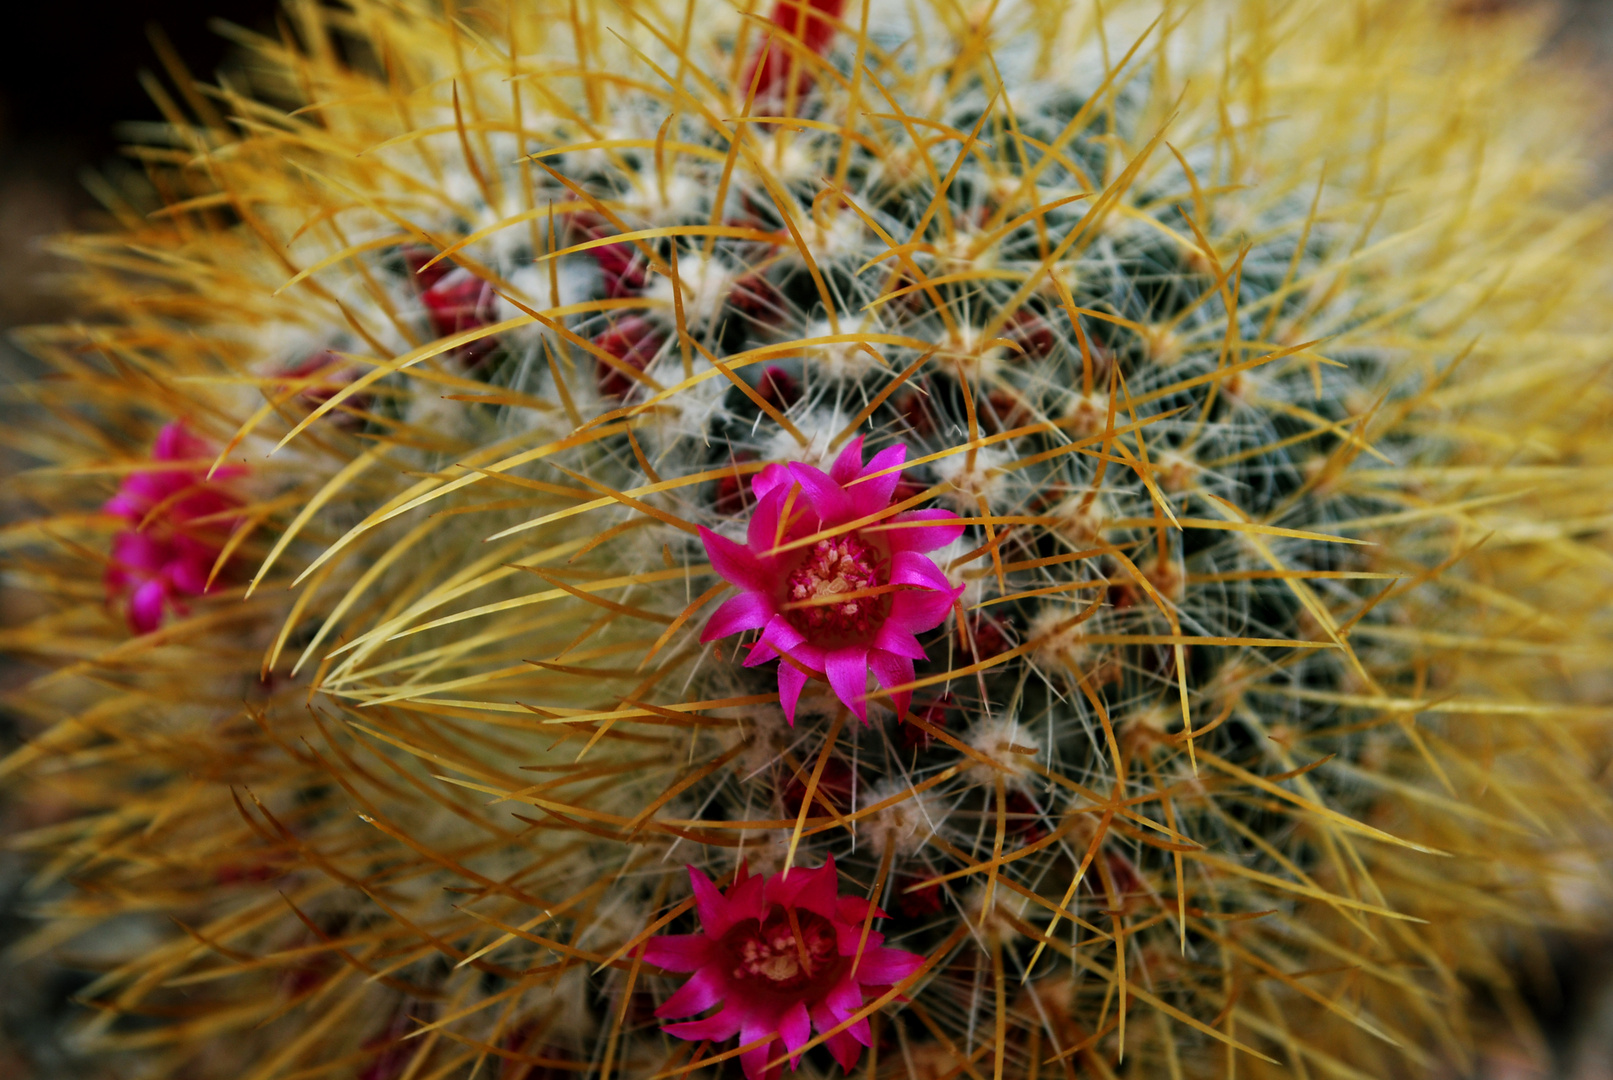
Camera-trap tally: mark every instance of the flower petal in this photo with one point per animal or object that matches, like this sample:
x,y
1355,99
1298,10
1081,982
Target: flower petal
x,y
849,463
762,533
697,995
917,611
747,900
885,459
795,1028
734,562
851,909
175,443
886,966
892,670
677,952
847,944
844,998
827,498
781,888
123,506
845,1049
755,1061
791,679
895,638
923,537
841,1045
763,526
773,476
713,909
189,575
842,1001
818,888
747,611
809,656
778,635
145,489
847,669
139,551
719,1028
872,496
911,568
145,607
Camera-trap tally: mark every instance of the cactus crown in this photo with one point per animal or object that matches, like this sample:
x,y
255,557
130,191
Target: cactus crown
x,y
1221,737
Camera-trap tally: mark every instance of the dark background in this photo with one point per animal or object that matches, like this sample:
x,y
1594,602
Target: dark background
x,y
69,79
71,72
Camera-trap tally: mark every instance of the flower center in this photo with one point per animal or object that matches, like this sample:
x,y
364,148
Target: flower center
x,y
781,956
841,566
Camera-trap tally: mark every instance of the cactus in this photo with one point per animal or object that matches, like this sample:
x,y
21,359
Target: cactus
x,y
1243,361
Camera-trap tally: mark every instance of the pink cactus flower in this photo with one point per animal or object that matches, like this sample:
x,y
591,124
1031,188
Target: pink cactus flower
x,y
813,22
327,373
846,604
634,341
455,300
460,300
620,265
782,957
159,560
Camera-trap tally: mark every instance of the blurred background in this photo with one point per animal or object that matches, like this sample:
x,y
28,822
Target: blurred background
x,y
70,95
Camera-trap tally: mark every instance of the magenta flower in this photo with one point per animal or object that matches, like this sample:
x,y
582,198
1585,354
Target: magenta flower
x,y
620,265
167,552
634,341
781,957
455,300
327,374
814,22
843,605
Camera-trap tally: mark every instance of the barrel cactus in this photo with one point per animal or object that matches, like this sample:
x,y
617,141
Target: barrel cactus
x,y
1025,539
